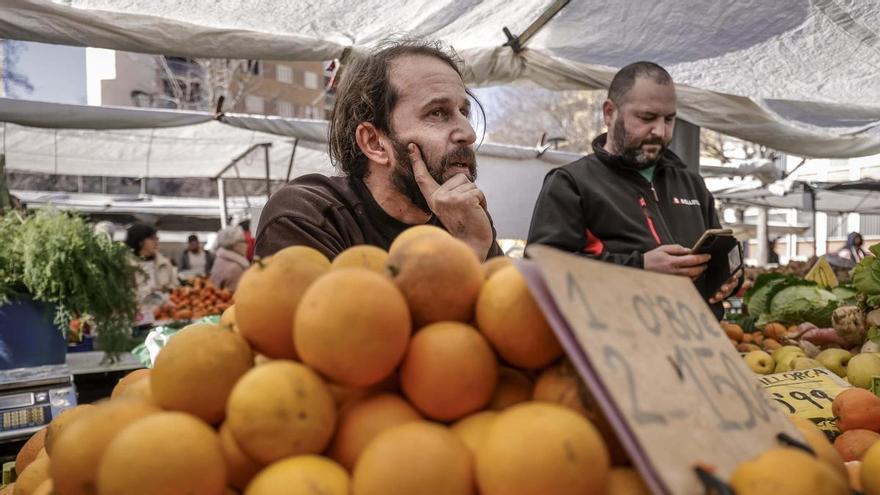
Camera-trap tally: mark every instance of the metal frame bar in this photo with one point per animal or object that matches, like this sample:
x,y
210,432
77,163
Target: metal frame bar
x,y
518,43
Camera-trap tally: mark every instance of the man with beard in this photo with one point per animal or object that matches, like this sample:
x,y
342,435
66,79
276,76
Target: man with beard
x,y
632,202
400,132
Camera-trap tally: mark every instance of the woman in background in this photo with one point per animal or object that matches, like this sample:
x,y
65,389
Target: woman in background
x,y
230,262
156,275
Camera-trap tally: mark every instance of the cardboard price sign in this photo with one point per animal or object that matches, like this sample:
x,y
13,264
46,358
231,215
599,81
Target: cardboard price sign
x,y
658,364
807,393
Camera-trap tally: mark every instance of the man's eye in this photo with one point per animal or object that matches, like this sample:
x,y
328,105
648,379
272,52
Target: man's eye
x,y
669,119
466,112
438,113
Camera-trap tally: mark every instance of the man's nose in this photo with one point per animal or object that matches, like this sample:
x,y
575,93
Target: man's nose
x,y
464,132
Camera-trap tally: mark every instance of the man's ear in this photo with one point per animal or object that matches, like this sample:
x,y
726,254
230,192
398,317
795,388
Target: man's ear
x,y
372,143
608,111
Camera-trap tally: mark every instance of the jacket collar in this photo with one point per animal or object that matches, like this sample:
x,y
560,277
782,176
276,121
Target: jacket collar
x,y
667,158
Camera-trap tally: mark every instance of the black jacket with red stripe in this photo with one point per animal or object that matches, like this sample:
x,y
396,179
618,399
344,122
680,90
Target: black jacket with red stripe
x,y
601,207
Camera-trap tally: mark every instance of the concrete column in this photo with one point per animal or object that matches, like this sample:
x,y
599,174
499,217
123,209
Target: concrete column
x,y
821,233
686,144
761,228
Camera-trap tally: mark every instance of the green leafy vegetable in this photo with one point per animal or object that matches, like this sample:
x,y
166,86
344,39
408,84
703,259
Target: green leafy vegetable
x,y
803,302
55,257
757,298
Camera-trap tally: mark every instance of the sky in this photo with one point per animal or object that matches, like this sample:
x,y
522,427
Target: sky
x,y
57,73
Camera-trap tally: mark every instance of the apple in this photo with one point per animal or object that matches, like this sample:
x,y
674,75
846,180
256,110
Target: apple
x,y
760,362
835,360
862,367
804,363
786,363
785,350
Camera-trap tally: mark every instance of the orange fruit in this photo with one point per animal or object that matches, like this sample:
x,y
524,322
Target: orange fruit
x,y
139,390
352,326
854,472
280,409
45,488
171,453
439,276
62,421
128,380
302,253
413,233
472,430
493,265
416,458
513,387
305,474
787,471
240,469
449,371
362,256
852,444
857,409
196,370
79,450
267,296
29,450
509,317
626,481
818,441
364,420
538,448
33,476
559,384
227,319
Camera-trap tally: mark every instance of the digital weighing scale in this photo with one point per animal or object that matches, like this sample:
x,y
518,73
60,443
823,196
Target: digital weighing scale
x,y
31,397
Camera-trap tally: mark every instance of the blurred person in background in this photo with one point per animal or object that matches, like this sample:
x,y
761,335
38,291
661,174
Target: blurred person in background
x,y
157,274
245,226
852,252
194,259
231,260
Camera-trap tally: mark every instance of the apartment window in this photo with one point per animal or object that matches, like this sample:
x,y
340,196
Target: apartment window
x,y
285,109
310,80
254,104
284,74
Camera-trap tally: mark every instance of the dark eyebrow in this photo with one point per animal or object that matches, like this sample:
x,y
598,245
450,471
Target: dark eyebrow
x,y
442,100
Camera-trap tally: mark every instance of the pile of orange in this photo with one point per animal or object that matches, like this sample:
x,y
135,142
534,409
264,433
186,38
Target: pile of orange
x,y
194,301
407,372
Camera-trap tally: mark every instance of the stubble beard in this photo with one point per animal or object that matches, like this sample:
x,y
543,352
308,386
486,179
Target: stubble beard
x,y
404,181
633,155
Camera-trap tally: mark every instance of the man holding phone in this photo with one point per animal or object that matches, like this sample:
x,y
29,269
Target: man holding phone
x,y
400,132
632,202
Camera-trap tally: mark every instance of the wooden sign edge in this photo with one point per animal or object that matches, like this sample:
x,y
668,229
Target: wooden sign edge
x,y
569,342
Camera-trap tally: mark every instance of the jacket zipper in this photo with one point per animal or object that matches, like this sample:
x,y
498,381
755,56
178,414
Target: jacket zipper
x,y
656,197
649,218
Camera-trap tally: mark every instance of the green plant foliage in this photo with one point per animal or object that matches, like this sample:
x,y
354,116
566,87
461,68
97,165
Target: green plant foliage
x,y
55,257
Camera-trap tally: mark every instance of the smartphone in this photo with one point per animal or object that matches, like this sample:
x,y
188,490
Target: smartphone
x,y
726,259
706,242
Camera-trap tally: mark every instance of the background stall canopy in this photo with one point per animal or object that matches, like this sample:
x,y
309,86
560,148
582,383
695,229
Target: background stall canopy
x,y
795,75
68,139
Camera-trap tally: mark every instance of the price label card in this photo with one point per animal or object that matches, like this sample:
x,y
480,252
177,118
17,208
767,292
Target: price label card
x,y
807,393
651,352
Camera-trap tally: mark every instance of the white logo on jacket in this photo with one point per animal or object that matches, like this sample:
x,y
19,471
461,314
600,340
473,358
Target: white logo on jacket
x,y
687,202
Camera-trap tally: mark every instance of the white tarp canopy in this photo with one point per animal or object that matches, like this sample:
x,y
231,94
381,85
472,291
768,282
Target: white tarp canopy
x,y
67,139
796,75
846,197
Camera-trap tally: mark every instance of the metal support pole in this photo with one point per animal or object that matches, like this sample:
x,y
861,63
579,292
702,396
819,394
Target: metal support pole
x,y
268,178
292,154
224,208
686,144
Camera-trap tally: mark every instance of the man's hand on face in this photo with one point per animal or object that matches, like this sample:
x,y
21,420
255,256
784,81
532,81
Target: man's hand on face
x,y
675,260
458,203
726,289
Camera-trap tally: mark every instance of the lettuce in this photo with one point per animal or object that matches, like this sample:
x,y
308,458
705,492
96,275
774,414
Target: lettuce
x,y
799,303
757,298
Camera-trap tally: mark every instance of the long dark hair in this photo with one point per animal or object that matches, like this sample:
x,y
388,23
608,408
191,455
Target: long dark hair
x,y
365,94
